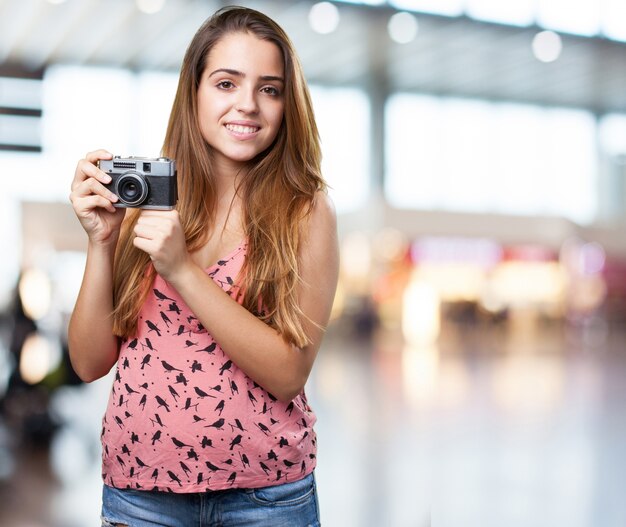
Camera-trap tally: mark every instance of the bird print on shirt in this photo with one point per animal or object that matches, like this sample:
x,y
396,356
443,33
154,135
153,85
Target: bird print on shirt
x,y
182,417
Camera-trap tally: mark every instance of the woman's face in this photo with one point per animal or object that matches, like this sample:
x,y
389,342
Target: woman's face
x,y
240,98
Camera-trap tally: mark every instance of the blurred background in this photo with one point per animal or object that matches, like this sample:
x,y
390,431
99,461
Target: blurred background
x,y
473,370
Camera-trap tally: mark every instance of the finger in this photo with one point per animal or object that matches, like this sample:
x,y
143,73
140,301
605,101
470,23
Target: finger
x,y
145,231
85,170
92,187
144,245
148,213
96,155
87,167
85,204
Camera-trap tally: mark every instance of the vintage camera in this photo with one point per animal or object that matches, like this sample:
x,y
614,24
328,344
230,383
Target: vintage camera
x,y
142,182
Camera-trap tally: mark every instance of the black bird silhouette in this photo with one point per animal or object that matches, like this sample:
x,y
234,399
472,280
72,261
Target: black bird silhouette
x,y
189,405
236,441
279,474
191,454
125,449
237,425
156,437
272,455
206,442
157,419
226,366
264,467
119,421
244,460
162,402
266,408
132,344
181,330
174,477
232,478
143,400
146,360
120,461
212,467
196,366
302,467
173,392
220,407
233,388
263,428
141,463
165,319
179,444
200,476
169,367
153,327
289,408
125,364
252,398
155,474
197,418
202,394
217,388
173,307
189,344
301,423
217,424
283,442
288,463
161,296
148,345
185,468
181,379
209,349
134,438
129,389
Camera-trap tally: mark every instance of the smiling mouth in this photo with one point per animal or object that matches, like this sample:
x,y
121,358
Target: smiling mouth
x,y
241,129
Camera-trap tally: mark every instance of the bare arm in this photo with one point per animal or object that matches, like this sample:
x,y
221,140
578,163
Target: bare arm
x,y
260,351
92,345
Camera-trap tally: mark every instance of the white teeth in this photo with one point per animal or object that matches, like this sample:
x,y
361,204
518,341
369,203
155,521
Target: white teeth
x,y
240,129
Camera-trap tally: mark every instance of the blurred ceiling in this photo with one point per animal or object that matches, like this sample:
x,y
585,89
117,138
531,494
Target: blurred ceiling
x,y
450,56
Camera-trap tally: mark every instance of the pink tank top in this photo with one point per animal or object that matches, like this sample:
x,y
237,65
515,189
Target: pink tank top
x,y
182,417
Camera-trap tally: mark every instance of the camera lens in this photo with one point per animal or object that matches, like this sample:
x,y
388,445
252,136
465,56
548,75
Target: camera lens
x,y
132,189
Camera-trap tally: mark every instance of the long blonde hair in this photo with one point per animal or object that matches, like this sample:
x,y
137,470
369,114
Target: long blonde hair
x,y
277,191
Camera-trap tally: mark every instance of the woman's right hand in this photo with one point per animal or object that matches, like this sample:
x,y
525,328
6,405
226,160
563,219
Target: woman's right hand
x,y
93,203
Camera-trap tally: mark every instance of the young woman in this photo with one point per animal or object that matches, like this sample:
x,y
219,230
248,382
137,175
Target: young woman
x,y
214,312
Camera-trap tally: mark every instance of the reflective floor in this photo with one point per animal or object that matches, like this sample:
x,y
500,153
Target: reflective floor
x,y
517,425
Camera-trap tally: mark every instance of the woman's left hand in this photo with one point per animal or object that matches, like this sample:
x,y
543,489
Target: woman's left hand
x,y
160,234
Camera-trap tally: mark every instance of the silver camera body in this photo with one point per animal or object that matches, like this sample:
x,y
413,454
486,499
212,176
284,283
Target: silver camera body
x,y
142,182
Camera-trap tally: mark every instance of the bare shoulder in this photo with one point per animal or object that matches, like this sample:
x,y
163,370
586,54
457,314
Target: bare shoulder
x,y
320,242
323,215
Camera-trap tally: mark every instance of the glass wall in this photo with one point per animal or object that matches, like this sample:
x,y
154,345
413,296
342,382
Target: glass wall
x,y
476,156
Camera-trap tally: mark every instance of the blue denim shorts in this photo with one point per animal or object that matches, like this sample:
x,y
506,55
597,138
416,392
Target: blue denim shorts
x,y
286,505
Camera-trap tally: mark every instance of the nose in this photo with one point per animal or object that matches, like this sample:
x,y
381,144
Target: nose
x,y
247,101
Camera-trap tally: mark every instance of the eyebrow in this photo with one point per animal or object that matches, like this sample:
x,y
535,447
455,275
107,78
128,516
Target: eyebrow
x,y
237,73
